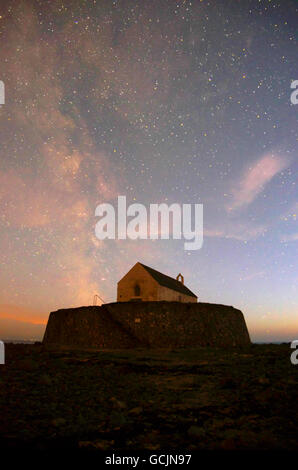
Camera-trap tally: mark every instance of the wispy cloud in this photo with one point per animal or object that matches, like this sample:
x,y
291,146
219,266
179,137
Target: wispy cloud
x,y
254,180
249,277
237,231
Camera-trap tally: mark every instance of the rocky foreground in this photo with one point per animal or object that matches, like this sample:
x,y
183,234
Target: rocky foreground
x,y
206,399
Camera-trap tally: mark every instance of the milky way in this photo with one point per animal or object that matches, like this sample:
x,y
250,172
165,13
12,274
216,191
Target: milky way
x,y
163,102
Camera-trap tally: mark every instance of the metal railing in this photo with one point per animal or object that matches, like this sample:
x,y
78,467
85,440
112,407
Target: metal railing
x,y
95,299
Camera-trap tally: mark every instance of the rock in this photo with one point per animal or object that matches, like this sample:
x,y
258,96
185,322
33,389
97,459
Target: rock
x,y
101,445
263,380
228,444
118,403
136,411
196,432
151,446
28,365
226,411
57,422
228,383
45,380
85,444
117,420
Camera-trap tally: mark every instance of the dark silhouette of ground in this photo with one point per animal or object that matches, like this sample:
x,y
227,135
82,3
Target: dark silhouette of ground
x,y
197,399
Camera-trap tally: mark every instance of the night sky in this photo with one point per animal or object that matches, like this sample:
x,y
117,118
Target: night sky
x,y
160,101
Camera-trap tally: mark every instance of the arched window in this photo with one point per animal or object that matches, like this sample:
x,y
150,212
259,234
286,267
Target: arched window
x,y
137,290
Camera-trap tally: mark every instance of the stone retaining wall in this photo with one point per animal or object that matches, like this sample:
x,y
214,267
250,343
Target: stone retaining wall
x,y
146,324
